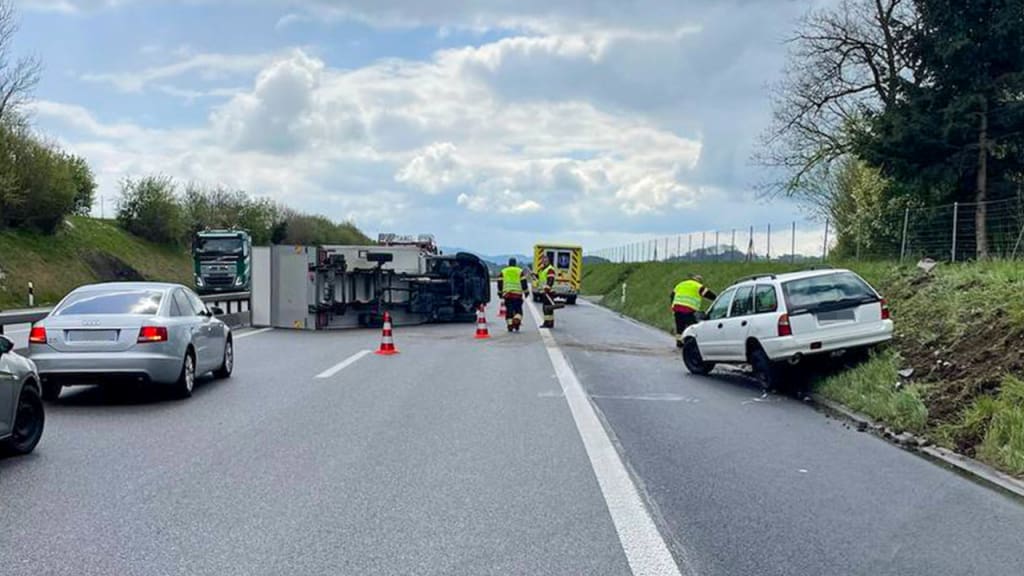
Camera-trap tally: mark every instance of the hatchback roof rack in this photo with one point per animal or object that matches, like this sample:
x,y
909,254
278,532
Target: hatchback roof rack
x,y
756,277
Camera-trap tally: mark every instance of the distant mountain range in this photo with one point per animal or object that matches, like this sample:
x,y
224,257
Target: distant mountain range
x,y
497,259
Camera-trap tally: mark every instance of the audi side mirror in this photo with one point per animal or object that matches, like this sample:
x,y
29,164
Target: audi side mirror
x,y
6,345
217,311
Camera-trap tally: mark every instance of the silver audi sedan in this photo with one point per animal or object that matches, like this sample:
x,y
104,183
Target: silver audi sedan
x,y
130,331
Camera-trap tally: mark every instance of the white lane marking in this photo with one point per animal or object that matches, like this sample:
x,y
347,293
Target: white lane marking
x,y
251,333
343,364
645,549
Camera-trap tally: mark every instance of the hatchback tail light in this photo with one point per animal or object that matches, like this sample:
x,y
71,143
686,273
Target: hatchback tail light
x,y
784,328
152,334
37,335
885,310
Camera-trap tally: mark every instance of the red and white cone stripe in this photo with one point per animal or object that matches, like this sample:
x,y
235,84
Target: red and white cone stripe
x,y
387,342
481,324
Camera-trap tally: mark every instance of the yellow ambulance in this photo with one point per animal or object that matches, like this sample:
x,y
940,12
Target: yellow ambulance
x,y
568,262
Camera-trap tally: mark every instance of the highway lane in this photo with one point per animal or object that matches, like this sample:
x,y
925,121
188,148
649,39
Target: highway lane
x,y
455,457
753,484
462,457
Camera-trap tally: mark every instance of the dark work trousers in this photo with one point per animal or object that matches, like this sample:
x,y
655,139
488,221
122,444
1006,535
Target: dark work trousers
x,y
548,307
514,312
683,321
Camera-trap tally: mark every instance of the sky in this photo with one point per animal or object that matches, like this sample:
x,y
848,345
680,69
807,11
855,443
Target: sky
x,y
490,124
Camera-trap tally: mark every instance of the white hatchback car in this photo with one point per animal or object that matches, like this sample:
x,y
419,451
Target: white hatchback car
x,y
769,321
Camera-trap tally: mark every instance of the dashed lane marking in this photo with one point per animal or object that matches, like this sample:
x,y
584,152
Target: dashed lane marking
x,y
343,364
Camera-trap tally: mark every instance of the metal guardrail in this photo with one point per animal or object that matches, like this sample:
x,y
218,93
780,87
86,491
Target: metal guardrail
x,y
238,317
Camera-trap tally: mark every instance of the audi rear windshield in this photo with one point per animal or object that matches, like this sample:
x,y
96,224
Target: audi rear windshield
x,y
143,302
827,292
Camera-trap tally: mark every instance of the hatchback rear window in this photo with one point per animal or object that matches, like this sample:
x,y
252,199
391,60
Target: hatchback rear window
x,y
827,292
145,302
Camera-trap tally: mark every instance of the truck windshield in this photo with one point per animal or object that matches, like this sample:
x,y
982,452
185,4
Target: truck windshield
x,y
219,245
829,291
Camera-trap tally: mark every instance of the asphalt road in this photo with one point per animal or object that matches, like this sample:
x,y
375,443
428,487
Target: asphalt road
x,y
463,457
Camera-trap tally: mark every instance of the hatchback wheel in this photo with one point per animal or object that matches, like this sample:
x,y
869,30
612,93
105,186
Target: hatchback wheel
x,y
767,372
187,379
228,364
693,360
28,422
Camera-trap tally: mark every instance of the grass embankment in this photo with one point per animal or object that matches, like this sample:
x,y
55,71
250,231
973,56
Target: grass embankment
x,y
961,330
86,250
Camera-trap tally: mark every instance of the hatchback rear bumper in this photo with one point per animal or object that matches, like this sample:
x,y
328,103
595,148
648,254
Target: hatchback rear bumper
x,y
96,368
789,347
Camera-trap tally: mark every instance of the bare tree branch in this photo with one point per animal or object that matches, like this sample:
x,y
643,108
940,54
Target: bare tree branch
x,y
846,64
17,79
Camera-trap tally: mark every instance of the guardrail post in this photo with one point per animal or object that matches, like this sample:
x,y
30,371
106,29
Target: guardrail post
x,y
792,246
768,248
824,246
31,295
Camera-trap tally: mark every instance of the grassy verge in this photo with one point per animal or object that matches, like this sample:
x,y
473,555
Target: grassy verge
x,y
961,330
87,250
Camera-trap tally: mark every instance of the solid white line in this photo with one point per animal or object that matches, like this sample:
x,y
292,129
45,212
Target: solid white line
x,y
645,549
343,364
251,333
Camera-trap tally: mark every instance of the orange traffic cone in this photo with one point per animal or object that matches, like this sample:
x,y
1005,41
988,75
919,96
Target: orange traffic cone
x,y
387,342
502,312
481,324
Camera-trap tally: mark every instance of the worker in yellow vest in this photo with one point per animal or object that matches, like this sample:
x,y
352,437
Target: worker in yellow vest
x,y
687,300
513,288
547,282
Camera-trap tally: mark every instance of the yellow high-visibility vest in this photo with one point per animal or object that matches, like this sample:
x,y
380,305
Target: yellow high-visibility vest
x,y
512,280
687,293
544,273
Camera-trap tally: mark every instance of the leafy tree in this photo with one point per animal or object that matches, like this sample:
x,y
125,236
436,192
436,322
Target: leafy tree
x,y
37,188
959,131
85,184
149,208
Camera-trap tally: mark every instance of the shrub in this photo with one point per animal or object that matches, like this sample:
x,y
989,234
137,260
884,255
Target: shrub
x,y
150,208
37,183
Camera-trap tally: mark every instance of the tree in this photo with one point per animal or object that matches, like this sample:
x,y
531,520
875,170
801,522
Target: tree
x,y
37,187
960,129
150,208
85,184
19,77
846,64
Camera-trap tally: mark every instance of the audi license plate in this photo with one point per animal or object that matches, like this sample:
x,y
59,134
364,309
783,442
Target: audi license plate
x,y
92,335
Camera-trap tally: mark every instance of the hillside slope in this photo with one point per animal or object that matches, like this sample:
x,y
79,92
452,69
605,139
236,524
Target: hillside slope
x,y
961,330
86,250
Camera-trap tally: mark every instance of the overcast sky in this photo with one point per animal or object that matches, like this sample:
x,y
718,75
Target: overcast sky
x,y
490,124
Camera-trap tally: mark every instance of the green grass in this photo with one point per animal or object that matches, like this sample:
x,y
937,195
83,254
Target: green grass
x,y
959,328
56,264
874,388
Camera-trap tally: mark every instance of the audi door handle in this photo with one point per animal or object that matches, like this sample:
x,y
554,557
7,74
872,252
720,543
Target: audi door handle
x,y
744,323
720,326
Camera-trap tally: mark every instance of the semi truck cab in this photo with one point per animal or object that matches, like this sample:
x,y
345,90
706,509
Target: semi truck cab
x,y
222,261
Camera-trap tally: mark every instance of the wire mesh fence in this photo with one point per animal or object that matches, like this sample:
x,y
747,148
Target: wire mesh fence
x,y
955,232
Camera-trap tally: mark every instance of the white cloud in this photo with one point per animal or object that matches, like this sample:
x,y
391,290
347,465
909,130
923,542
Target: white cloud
x,y
209,66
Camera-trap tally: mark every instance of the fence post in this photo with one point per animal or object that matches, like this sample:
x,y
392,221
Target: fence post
x,y
654,245
903,242
956,212
750,246
623,293
792,245
768,251
824,246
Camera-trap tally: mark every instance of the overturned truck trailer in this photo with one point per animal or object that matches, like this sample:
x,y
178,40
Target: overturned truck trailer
x,y
333,287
